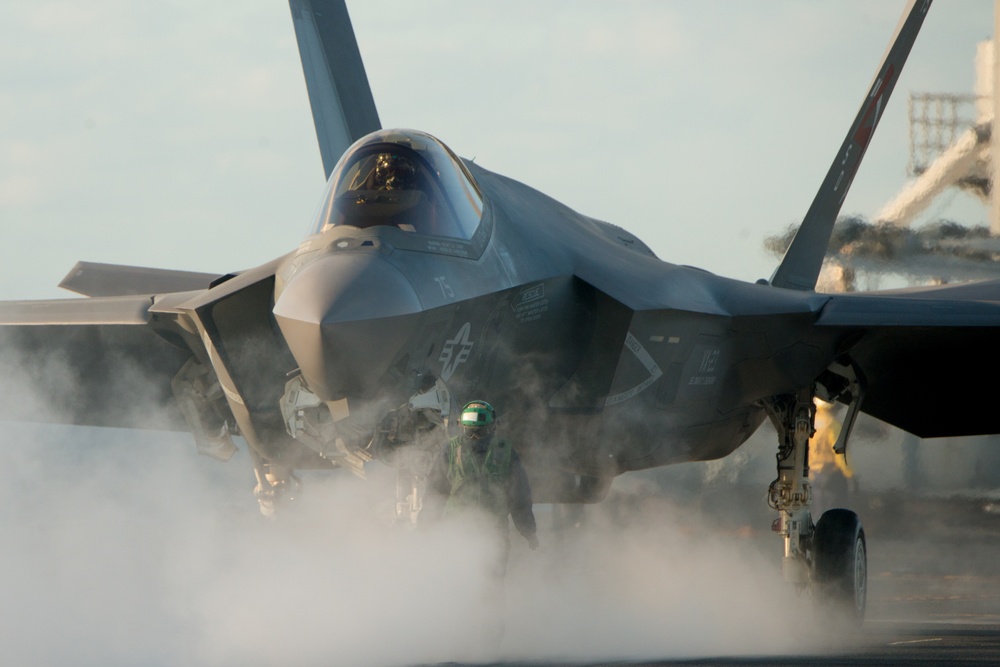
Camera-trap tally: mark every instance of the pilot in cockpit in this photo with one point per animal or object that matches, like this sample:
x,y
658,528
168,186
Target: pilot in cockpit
x,y
394,172
396,193
411,183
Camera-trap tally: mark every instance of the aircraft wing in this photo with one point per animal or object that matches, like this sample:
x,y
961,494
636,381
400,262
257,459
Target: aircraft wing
x,y
928,356
96,279
96,362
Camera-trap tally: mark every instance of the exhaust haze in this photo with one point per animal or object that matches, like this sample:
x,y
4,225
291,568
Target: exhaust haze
x,y
942,251
124,547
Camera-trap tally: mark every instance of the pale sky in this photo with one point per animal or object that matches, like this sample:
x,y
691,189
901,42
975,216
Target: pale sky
x,y
178,134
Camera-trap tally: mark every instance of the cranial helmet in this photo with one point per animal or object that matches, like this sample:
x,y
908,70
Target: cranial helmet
x,y
394,172
478,419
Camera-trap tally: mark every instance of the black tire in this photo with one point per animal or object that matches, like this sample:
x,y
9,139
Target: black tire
x,y
840,564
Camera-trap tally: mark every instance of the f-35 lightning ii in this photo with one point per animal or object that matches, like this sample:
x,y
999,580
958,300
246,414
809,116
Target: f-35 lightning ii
x,y
427,281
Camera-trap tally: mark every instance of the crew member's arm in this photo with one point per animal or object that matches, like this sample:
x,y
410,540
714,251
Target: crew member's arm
x,y
519,501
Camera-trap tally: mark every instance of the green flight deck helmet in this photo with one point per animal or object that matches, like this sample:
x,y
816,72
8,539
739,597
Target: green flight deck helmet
x,y
478,419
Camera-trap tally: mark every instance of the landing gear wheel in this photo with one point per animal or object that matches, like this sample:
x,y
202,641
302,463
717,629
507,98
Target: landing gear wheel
x,y
840,575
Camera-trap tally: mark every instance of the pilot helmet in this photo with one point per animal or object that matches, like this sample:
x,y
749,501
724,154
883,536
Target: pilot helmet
x,y
394,172
478,420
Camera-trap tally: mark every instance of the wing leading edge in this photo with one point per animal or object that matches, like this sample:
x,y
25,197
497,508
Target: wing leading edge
x,y
96,279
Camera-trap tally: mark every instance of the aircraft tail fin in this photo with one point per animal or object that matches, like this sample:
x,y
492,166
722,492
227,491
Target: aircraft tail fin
x,y
800,266
342,104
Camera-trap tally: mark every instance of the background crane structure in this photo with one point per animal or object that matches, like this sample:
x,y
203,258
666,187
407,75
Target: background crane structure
x,y
951,146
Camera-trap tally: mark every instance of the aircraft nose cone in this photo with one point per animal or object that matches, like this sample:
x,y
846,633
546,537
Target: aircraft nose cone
x,y
346,318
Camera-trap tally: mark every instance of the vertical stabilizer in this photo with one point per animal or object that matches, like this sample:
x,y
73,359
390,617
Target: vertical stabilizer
x,y
799,268
342,104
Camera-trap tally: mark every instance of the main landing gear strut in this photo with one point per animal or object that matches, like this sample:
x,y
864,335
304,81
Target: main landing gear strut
x,y
827,558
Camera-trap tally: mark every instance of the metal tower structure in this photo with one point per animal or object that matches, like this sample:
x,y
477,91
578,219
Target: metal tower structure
x,y
951,143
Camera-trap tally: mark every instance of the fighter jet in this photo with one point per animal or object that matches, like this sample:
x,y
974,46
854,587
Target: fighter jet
x,y
427,281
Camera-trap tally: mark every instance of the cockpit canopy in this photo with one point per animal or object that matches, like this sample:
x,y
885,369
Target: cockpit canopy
x,y
404,179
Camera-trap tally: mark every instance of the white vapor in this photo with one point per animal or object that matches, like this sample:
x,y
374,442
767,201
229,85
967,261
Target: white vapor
x,y
123,547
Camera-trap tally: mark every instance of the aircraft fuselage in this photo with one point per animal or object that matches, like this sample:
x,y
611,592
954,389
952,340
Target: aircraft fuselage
x,y
599,357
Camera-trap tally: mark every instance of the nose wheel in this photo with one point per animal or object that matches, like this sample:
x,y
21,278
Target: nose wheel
x,y
840,563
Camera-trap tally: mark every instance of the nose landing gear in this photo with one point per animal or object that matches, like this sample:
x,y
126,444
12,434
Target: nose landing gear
x,y
828,558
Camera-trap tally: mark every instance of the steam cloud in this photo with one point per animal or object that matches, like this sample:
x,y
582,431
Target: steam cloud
x,y
125,547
